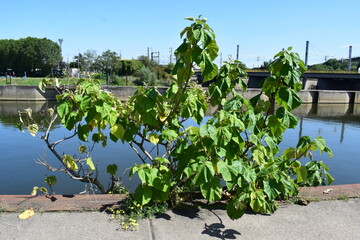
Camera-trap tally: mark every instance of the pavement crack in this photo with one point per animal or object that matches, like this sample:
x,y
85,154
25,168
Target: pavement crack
x,y
152,229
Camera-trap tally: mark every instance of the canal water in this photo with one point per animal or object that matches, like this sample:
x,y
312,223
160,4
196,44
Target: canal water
x,y
338,124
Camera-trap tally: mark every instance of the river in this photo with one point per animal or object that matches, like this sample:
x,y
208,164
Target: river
x,y
338,124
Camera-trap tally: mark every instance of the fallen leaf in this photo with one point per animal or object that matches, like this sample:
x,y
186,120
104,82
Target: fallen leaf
x,y
327,190
27,214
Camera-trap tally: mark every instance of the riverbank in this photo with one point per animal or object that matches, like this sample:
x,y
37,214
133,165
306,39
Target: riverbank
x,y
32,93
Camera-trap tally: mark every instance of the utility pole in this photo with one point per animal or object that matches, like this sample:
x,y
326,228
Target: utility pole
x,y
155,55
148,52
170,55
306,53
60,43
350,50
220,60
237,52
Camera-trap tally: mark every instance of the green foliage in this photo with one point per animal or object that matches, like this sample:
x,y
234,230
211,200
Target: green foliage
x,y
116,80
336,65
130,212
98,76
145,77
128,67
234,153
35,56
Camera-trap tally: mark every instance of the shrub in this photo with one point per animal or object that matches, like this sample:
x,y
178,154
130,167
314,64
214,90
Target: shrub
x,y
98,76
145,77
116,80
234,154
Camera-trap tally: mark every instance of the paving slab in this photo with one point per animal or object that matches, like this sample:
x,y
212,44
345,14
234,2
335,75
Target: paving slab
x,y
336,219
318,220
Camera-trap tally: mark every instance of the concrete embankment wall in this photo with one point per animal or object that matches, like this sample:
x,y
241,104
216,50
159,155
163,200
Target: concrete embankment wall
x,y
33,93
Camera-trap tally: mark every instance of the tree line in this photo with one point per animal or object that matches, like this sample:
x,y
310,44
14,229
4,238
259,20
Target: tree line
x,y
145,70
28,56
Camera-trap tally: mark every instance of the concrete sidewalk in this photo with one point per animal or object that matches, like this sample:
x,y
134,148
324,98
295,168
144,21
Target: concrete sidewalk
x,y
336,219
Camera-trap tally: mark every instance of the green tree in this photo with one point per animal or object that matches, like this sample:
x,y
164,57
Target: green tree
x,y
89,59
234,154
146,61
127,67
106,62
29,55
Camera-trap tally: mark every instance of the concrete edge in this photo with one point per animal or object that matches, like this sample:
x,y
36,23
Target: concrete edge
x,y
331,192
99,202
42,203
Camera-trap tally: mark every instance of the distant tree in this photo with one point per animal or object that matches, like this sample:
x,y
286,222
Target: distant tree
x,y
29,55
265,65
241,65
78,61
146,61
106,62
127,67
89,59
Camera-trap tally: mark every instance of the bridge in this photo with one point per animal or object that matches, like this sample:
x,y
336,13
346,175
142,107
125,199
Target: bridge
x,y
315,80
311,80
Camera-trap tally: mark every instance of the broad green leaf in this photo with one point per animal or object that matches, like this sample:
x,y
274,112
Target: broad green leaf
x,y
154,138
212,189
271,144
117,130
69,162
271,189
162,160
63,108
43,190
90,163
143,194
257,201
205,173
229,173
290,153
233,104
302,174
236,208
169,134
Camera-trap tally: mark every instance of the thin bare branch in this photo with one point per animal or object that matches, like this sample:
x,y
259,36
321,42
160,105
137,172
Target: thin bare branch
x,y
137,152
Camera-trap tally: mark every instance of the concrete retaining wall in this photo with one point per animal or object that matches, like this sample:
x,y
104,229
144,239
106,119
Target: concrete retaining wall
x,y
329,96
33,93
25,93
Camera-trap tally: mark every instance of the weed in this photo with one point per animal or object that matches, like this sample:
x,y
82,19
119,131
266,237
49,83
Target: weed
x,y
129,213
342,197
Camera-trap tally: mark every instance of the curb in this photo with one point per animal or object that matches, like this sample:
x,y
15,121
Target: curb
x,y
99,202
47,203
331,192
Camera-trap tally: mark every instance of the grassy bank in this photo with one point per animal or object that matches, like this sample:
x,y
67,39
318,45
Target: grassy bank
x,y
120,81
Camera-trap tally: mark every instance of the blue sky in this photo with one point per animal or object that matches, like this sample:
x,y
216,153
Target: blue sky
x,y
260,27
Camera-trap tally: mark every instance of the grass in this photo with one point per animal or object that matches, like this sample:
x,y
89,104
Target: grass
x,y
70,81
